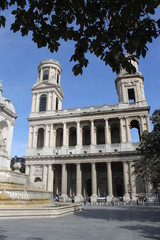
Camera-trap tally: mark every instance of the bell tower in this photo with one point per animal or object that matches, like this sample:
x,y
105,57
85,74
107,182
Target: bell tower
x,y
130,86
47,93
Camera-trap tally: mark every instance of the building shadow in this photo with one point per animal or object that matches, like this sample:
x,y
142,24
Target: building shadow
x,y
145,231
125,214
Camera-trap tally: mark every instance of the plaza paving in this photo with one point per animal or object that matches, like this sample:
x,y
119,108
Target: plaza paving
x,y
95,222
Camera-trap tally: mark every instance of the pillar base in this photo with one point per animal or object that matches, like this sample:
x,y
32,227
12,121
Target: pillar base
x,y
133,197
94,198
78,198
126,197
63,198
109,198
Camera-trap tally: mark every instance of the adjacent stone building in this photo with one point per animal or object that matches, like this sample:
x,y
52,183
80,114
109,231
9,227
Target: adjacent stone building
x,y
7,120
87,151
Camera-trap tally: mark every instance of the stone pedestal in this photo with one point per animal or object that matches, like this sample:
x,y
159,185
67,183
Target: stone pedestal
x,y
109,198
4,161
78,198
126,198
64,198
94,198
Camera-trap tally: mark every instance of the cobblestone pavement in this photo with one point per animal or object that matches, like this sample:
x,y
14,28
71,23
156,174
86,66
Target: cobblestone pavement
x,y
95,222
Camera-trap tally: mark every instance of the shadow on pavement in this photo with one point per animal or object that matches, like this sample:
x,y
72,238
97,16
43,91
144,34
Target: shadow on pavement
x,y
145,231
140,214
2,236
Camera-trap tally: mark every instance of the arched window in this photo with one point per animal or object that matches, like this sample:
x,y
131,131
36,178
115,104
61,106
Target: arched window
x,y
72,136
135,131
40,139
100,134
59,137
37,179
86,135
115,133
43,103
45,74
56,103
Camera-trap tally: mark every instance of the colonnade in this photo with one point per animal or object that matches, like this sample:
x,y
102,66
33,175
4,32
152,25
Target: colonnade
x,y
49,176
50,131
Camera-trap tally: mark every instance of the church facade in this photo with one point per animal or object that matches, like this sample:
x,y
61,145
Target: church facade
x,y
89,151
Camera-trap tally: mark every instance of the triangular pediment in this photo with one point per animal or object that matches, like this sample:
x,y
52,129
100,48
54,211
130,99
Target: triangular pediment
x,y
46,85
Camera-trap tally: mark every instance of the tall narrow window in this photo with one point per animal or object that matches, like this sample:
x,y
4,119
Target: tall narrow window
x,y
131,95
57,78
43,103
40,139
56,103
115,133
100,134
45,74
72,136
86,135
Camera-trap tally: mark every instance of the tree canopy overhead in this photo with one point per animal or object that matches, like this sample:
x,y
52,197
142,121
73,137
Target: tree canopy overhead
x,y
107,28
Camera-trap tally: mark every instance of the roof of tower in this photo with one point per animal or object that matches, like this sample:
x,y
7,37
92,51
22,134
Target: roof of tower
x,y
50,61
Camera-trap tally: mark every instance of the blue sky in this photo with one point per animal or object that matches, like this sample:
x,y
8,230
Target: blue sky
x,y
19,60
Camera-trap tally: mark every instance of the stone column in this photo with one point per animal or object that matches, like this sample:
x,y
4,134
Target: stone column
x,y
56,180
50,178
27,168
51,136
126,196
132,181
92,132
128,134
78,197
64,134
30,137
46,136
106,132
35,134
64,183
148,124
78,134
37,102
94,183
142,126
121,130
33,109
48,101
45,177
109,178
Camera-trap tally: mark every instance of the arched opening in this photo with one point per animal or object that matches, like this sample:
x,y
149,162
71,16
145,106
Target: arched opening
x,y
43,103
135,131
56,103
45,74
115,133
100,134
86,135
72,136
40,139
37,179
59,137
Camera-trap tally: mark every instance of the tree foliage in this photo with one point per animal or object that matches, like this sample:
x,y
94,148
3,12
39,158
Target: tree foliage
x,y
149,165
107,28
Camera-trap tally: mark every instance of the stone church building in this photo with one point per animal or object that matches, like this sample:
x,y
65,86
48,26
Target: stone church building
x,y
89,151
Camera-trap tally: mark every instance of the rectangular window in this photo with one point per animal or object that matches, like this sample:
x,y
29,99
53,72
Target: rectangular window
x,y
131,95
